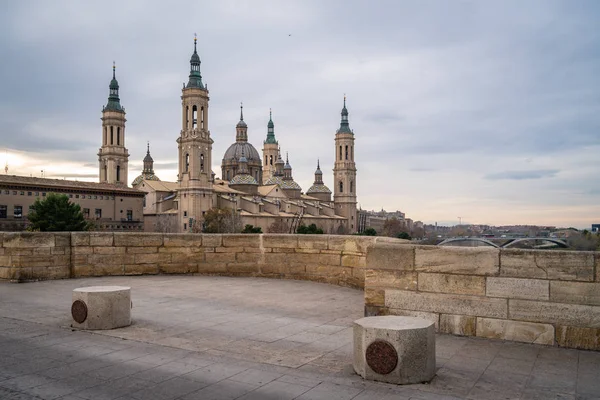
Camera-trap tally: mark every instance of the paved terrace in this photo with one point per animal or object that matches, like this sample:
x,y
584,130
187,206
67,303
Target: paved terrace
x,y
196,337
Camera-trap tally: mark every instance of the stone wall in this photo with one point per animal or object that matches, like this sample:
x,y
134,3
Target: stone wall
x,y
533,296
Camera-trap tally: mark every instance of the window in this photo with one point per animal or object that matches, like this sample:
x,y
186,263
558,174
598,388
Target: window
x,y
187,162
37,194
201,162
18,212
341,187
7,192
105,136
70,196
340,153
76,196
118,135
271,160
185,213
43,194
129,215
98,213
352,152
184,227
228,175
346,152
22,193
3,211
266,161
187,117
86,212
351,186
202,117
118,173
28,193
194,117
144,202
14,192
111,135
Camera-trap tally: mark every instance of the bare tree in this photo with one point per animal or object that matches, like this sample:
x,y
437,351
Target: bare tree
x,y
165,223
279,226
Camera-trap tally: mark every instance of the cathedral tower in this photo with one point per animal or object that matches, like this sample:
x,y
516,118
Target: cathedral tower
x,y
270,150
195,193
113,156
344,173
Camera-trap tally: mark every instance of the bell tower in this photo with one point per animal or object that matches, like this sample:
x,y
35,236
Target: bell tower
x,y
270,150
195,193
113,157
344,173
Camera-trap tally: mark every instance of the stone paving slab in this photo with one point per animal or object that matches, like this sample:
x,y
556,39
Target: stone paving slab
x,y
230,338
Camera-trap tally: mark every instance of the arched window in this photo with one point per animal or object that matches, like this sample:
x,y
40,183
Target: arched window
x,y
202,117
118,173
266,160
346,152
340,153
118,135
341,187
351,186
111,135
105,135
187,162
194,117
271,160
105,173
201,162
228,175
352,153
187,117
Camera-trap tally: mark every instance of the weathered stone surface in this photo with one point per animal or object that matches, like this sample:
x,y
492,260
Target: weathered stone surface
x,y
62,239
328,271
312,242
518,288
375,296
182,240
106,259
211,240
109,250
575,292
138,239
141,269
219,257
446,303
255,258
391,279
457,260
391,256
433,317
28,239
80,238
161,258
284,241
578,338
520,263
462,325
412,341
147,250
457,284
101,239
44,273
5,261
241,240
555,313
350,244
108,307
354,261
567,265
527,332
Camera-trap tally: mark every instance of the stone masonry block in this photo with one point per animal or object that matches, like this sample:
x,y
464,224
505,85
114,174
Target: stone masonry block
x,y
28,239
433,317
457,260
280,241
182,240
375,296
566,265
141,269
555,313
350,244
211,240
462,325
102,238
312,242
575,292
354,261
241,240
180,268
391,279
220,257
391,256
62,239
160,258
578,338
138,239
457,284
517,288
446,303
109,250
527,332
328,271
520,263
80,239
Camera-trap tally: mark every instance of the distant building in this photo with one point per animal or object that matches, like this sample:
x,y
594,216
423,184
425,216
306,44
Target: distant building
x,y
596,228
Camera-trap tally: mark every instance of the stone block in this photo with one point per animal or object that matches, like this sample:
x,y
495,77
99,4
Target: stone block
x,y
280,241
104,307
186,257
457,260
456,284
375,296
211,240
212,268
319,242
110,259
555,313
8,273
255,258
138,239
83,270
62,239
243,268
567,265
281,250
28,239
354,261
578,338
48,273
5,261
143,250
527,332
392,279
433,317
575,292
80,239
446,303
393,349
42,251
350,244
160,258
83,250
182,240
520,263
179,268
328,271
109,250
241,240
219,257
391,256
518,288
462,325
141,269
102,239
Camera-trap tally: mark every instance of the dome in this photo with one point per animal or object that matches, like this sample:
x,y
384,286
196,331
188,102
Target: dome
x,y
283,183
114,84
241,124
235,152
243,179
148,177
148,157
318,189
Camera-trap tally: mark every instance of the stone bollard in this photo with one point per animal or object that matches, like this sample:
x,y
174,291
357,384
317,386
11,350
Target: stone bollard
x,y
101,307
394,349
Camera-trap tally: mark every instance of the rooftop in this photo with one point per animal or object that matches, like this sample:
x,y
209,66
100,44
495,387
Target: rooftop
x,y
201,337
63,183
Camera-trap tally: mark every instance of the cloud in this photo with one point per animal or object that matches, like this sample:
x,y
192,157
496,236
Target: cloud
x,y
523,175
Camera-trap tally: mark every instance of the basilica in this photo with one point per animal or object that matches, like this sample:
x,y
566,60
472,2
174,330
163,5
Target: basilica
x,y
260,191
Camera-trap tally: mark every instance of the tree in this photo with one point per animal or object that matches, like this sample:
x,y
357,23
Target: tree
x,y
279,226
310,230
165,223
222,220
393,226
370,232
56,214
251,229
404,235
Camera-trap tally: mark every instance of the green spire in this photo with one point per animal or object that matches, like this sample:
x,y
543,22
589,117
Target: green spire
x,y
114,103
344,124
270,130
195,80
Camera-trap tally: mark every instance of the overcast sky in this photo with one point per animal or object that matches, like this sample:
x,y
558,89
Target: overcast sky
x,y
488,111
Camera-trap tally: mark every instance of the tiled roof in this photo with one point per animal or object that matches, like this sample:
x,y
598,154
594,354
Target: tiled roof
x,y
64,184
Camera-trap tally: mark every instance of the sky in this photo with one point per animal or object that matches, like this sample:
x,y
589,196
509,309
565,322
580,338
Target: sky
x,y
487,112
